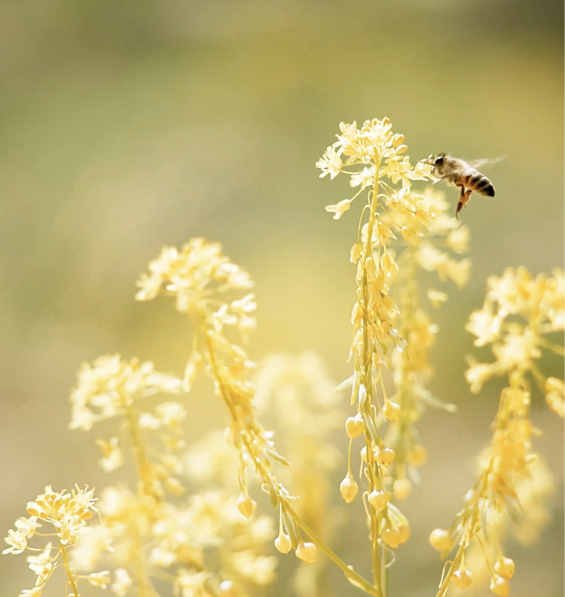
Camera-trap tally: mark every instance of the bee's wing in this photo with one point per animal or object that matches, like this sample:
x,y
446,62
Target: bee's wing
x,y
478,163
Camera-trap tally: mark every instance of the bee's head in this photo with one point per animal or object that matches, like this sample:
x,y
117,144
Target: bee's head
x,y
439,160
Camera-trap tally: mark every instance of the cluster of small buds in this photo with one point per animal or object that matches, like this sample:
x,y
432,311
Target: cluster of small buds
x,y
460,576
68,514
113,388
519,310
400,231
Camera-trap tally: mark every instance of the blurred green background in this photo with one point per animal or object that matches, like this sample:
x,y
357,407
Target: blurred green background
x,y
127,125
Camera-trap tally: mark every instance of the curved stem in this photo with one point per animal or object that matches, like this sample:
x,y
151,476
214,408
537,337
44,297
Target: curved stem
x,y
350,574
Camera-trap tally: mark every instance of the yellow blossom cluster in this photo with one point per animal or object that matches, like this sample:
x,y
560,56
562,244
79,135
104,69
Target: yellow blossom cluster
x,y
198,277
204,543
151,539
68,514
518,313
111,388
400,232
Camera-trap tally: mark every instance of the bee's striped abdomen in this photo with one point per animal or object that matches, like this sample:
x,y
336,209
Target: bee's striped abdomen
x,y
479,183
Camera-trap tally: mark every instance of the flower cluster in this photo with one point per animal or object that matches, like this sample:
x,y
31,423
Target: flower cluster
x,y
518,312
198,276
68,514
400,232
113,388
204,546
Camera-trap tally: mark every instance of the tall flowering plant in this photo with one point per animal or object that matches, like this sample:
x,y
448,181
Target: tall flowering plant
x,y
161,537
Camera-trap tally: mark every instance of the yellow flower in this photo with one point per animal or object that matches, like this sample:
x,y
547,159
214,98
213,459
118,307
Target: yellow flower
x,y
339,209
485,325
330,163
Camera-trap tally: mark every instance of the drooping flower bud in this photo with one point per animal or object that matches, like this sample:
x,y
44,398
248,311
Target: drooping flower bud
x,y
354,426
307,552
246,505
440,540
348,489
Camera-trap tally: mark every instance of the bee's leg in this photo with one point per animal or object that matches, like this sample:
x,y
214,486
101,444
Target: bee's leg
x,y
467,197
463,198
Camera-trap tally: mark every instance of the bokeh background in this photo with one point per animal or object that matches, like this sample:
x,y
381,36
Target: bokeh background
x,y
127,125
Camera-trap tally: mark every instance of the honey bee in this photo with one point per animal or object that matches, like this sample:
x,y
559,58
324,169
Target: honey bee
x,y
458,173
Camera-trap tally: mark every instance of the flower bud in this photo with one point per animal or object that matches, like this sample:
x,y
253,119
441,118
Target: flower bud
x,y
499,586
397,140
379,499
246,505
385,457
504,567
404,531
307,552
390,267
391,536
354,426
282,543
440,540
34,510
362,394
391,411
462,578
356,251
348,489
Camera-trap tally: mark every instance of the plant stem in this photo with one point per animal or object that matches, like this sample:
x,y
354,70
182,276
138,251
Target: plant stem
x,y
72,579
137,450
347,570
367,375
350,574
